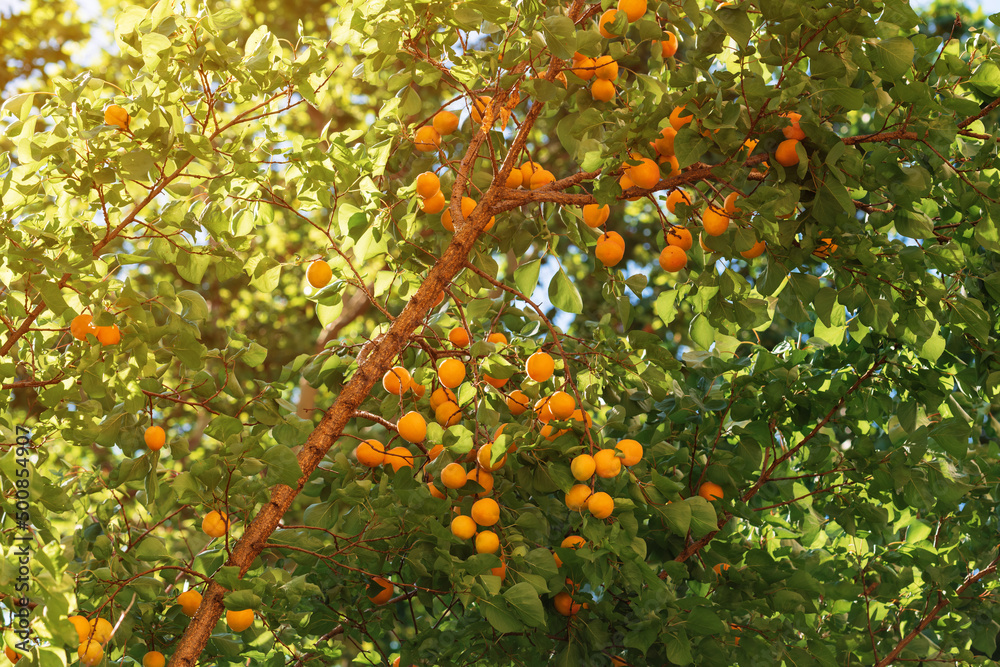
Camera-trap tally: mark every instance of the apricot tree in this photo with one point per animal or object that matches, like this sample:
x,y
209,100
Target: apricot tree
x,y
634,334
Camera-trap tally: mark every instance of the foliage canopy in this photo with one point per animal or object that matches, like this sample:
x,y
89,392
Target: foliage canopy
x,y
837,390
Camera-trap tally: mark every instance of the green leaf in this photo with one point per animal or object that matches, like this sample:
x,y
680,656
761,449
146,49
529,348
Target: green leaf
x,y
703,621
502,620
195,306
678,516
151,549
892,57
703,518
526,277
736,23
523,598
563,293
283,466
560,35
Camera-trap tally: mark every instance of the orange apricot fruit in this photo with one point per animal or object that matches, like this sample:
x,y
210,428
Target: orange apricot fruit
x,y
673,258
539,366
786,155
426,139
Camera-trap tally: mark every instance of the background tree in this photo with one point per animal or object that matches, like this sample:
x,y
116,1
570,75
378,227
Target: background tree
x,y
809,446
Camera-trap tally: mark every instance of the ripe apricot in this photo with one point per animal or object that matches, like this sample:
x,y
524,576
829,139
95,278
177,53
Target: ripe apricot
x,y
383,590
239,620
412,427
396,380
825,249
445,122
562,405
215,524
399,457
487,542
370,453
539,366
680,237
433,204
484,455
468,206
514,178
442,395
729,206
676,197
90,652
459,336
517,402
719,568
673,165
673,258
710,491
153,659
602,90
463,527
495,382
664,144
527,169
155,437
581,416
500,570
678,120
602,23
541,178
82,626
714,221
319,274
11,654
565,605
792,130
486,512
607,462
584,68
595,215
101,630
601,505
479,108
606,67
82,325
497,338
426,139
448,414
116,115
632,450
434,452
582,467
634,9
669,44
608,251
646,174
436,492
453,476
756,250
451,373
428,184
189,602
482,478
543,409
786,155
576,497
109,335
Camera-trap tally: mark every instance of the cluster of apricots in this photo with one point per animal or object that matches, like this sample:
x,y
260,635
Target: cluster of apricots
x,y
83,325
93,635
